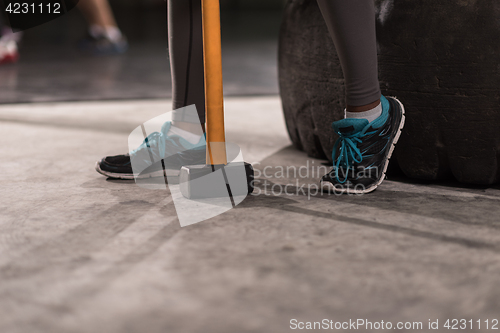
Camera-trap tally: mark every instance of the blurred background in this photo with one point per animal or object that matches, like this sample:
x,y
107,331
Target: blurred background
x,y
52,68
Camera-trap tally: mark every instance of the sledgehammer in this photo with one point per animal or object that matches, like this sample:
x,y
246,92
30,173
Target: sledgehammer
x,y
217,178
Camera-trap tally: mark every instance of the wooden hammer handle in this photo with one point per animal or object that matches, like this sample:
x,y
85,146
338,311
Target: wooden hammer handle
x,y
214,97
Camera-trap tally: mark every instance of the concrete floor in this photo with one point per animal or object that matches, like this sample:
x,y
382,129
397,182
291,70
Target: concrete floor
x,y
80,253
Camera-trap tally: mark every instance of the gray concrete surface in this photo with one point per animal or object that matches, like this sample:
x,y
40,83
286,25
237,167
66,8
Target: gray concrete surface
x,y
79,253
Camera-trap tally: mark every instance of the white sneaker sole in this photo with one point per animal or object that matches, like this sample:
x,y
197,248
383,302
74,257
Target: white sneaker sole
x,y
131,176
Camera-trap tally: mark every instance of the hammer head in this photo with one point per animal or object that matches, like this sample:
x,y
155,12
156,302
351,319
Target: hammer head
x,y
216,181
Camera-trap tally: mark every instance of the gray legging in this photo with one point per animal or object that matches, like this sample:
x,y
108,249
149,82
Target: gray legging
x,y
351,24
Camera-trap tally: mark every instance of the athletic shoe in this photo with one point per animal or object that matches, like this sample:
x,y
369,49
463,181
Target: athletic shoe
x,y
8,51
362,152
102,45
158,156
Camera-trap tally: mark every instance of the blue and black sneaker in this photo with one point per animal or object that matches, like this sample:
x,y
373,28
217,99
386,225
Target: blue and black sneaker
x,y
102,45
362,152
158,156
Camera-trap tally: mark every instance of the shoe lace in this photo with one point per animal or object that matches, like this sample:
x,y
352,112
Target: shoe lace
x,y
348,153
158,139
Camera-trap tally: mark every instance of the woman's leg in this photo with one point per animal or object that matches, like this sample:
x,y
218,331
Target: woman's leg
x,y
188,88
373,123
97,12
351,24
105,36
186,59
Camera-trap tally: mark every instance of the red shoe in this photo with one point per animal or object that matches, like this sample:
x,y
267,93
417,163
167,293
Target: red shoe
x,y
8,52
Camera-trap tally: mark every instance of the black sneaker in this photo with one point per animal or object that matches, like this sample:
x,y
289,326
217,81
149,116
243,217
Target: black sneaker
x,y
158,156
118,167
362,152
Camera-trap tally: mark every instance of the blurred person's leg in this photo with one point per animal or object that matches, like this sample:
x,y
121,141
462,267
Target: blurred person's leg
x,y
97,12
373,122
104,35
